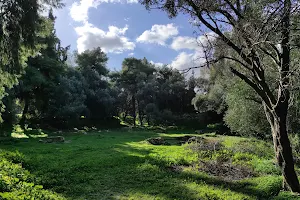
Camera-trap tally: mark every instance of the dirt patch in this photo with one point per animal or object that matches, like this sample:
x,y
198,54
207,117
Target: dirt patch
x,y
203,144
189,139
175,168
226,171
215,160
157,141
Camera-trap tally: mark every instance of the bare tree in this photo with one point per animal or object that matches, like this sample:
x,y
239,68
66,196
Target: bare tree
x,y
255,31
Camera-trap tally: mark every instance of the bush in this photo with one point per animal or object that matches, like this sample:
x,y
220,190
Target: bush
x,y
14,157
16,183
245,116
254,146
265,167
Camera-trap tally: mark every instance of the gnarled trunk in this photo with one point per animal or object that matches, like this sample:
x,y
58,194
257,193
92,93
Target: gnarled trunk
x,y
283,151
277,112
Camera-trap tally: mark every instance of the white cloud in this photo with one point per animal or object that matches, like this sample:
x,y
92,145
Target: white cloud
x,y
192,43
131,54
195,59
188,60
158,34
79,10
158,64
112,41
132,1
184,43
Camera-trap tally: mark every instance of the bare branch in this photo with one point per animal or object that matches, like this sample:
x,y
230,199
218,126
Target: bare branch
x,y
236,11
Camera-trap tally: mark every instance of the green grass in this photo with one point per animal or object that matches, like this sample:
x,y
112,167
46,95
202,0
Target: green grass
x,y
121,165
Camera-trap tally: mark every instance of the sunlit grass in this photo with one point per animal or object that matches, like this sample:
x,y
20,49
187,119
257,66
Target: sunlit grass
x,y
19,135
123,165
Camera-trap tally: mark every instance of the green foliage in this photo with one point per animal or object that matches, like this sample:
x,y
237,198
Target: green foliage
x,y
100,98
264,187
286,195
21,26
157,96
255,155
67,104
253,146
244,115
16,183
295,142
263,166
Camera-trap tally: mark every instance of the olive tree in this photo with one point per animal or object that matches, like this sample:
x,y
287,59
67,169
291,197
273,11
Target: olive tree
x,y
256,31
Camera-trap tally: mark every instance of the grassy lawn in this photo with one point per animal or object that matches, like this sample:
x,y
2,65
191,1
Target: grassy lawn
x,y
122,165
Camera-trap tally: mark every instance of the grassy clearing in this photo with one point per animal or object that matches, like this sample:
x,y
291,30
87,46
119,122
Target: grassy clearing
x,y
122,165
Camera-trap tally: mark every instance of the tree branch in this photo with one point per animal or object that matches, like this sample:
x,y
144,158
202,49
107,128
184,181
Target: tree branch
x,y
236,11
253,85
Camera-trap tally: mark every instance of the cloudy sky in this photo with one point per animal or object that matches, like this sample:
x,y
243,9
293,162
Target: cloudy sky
x,y
124,28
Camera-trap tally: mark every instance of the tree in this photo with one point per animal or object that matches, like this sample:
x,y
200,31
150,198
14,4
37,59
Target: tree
x,y
42,73
232,98
20,24
245,113
173,91
67,101
99,98
260,31
133,80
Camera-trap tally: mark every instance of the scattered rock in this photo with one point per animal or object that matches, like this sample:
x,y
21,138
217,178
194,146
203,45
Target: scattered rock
x,y
83,132
199,131
53,139
75,129
157,141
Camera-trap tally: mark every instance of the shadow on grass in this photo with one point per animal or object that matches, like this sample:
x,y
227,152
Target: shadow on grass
x,y
105,166
172,187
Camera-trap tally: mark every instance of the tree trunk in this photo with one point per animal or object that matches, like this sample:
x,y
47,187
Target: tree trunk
x,y
124,116
283,151
25,111
141,118
133,110
148,120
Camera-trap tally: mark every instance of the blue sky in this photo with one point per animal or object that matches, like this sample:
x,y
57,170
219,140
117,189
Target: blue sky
x,y
124,28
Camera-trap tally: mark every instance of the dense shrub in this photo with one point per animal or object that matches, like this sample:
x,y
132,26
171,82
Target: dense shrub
x,y
16,183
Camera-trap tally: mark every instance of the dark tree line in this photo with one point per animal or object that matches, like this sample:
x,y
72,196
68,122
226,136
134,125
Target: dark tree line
x,y
52,94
